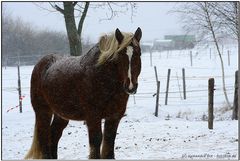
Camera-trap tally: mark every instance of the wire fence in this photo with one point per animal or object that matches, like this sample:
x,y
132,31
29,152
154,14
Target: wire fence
x,y
194,90
174,99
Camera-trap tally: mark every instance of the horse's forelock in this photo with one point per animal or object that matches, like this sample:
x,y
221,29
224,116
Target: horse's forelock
x,y
109,46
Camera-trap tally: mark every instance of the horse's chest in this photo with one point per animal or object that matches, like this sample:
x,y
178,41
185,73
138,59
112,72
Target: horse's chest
x,y
110,104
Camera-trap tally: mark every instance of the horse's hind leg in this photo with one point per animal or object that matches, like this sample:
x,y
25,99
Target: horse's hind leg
x,y
43,121
110,130
57,127
40,148
95,138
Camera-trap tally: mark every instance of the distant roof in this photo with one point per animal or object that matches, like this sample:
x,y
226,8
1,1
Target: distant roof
x,y
147,43
162,41
180,37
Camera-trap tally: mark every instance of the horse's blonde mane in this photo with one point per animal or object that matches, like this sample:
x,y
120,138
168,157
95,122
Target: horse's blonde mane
x,y
109,46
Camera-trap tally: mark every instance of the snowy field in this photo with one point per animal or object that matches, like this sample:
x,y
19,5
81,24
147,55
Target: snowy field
x,y
179,132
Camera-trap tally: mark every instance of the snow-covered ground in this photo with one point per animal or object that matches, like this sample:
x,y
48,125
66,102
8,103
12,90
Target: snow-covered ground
x,y
179,132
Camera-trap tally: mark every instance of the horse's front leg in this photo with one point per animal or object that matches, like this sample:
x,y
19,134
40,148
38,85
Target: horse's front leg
x,y
95,138
110,131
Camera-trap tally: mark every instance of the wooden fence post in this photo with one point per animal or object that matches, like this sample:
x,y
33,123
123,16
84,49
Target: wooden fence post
x,y
184,83
235,101
158,91
157,98
19,90
156,75
191,58
167,88
228,57
238,17
210,102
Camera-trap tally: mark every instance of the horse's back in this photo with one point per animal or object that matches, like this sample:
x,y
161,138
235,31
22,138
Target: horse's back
x,y
68,65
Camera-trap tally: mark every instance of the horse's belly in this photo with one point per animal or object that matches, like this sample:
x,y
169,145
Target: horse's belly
x,y
70,112
66,105
78,101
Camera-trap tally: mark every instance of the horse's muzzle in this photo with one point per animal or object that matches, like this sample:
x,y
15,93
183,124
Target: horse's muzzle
x,y
131,91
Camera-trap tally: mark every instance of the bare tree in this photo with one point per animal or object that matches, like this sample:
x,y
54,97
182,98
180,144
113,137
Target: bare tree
x,y
74,10
223,16
206,8
74,33
227,16
210,20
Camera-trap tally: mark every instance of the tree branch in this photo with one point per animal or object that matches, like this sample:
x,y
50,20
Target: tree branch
x,y
115,8
80,25
58,8
38,4
74,4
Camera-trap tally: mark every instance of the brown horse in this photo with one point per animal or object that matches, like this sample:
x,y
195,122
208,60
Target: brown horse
x,y
91,87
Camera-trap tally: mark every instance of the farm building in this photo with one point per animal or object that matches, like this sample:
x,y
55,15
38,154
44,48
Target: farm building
x,y
181,41
174,42
161,45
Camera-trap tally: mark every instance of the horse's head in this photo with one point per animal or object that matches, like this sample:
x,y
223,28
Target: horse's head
x,y
129,60
124,50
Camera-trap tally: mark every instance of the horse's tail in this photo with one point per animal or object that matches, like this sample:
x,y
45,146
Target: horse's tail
x,y
34,152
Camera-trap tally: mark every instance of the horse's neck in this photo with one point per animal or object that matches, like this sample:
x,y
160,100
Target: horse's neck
x,y
109,83
106,73
109,72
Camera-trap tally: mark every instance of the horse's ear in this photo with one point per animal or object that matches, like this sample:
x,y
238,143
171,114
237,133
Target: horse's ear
x,y
119,36
138,34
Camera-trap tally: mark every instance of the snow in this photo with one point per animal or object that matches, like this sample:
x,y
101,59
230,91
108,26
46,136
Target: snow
x,y
179,132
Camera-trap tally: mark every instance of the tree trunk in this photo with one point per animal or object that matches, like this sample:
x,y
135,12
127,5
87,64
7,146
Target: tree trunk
x,y
219,54
73,37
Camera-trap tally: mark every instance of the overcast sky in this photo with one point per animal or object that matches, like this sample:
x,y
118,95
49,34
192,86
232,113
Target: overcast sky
x,y
153,18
